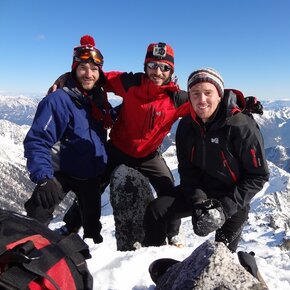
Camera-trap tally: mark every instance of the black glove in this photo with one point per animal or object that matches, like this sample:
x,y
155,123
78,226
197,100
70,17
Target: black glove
x,y
253,105
207,216
48,193
198,196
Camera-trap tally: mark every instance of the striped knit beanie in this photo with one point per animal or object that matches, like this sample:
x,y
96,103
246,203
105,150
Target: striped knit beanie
x,y
206,75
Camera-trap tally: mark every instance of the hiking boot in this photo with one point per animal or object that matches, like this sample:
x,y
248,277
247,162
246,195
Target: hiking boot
x,y
96,238
175,241
248,261
63,231
159,267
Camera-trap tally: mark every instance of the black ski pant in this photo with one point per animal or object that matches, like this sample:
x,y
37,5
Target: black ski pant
x,y
152,166
164,208
88,196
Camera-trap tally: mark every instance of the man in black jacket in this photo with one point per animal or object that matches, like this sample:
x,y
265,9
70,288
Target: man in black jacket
x,y
222,165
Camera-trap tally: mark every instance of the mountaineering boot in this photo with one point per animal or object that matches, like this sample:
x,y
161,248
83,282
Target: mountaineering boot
x,y
97,238
248,261
159,267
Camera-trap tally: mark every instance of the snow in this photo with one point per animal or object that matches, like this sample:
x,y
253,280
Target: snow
x,y
116,270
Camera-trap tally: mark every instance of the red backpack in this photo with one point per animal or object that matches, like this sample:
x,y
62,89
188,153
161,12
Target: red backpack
x,y
34,257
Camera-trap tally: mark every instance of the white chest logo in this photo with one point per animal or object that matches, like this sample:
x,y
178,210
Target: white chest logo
x,y
215,140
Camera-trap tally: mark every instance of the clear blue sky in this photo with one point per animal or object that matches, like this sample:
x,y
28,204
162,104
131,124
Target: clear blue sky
x,y
247,41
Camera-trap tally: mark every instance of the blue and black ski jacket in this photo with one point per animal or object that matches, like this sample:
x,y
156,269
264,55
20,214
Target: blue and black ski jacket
x,y
66,137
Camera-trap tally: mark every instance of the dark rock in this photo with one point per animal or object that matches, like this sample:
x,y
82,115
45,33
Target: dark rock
x,y
210,267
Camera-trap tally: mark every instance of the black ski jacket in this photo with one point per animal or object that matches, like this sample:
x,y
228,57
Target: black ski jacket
x,y
225,157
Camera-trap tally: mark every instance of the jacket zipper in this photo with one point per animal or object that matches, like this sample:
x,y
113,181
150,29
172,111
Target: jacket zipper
x,y
192,153
226,164
203,153
203,136
152,117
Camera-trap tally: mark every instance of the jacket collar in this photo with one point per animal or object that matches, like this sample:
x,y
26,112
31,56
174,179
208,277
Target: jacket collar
x,y
169,86
79,96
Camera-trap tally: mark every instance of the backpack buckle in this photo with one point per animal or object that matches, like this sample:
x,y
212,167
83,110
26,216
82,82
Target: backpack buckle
x,y
22,253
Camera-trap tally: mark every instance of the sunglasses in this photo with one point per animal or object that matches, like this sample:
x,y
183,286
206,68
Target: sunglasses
x,y
85,54
163,67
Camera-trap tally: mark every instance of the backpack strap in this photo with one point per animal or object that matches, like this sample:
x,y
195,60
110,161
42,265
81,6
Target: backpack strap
x,y
234,101
9,281
76,250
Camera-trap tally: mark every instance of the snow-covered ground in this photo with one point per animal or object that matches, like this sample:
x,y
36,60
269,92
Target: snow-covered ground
x,y
269,220
116,270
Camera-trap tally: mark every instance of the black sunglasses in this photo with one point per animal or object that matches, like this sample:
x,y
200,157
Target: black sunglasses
x,y
163,67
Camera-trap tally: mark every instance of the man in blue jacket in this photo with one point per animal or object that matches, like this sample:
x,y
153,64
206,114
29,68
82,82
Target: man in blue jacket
x,y
65,146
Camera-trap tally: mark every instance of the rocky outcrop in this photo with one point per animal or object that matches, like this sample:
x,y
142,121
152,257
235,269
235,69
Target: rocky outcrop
x,y
210,267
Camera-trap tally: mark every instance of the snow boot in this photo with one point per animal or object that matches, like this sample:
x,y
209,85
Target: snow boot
x,y
159,267
248,261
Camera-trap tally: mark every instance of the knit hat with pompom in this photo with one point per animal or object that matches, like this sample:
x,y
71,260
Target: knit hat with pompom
x,y
86,52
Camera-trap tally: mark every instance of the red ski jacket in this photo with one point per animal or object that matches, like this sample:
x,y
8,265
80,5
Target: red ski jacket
x,y
147,113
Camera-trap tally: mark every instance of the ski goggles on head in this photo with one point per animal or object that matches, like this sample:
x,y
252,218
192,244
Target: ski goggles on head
x,y
163,66
85,54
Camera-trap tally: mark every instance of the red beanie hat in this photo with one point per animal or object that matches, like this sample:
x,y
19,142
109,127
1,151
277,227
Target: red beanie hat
x,y
160,52
87,51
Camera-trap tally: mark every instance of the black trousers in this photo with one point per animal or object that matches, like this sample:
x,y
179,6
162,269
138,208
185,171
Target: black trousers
x,y
89,201
152,166
164,208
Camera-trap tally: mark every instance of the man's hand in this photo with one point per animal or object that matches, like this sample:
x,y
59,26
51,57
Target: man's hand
x,y
207,216
59,83
48,193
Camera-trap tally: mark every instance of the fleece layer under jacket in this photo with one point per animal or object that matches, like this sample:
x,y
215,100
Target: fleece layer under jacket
x,y
64,123
147,113
224,158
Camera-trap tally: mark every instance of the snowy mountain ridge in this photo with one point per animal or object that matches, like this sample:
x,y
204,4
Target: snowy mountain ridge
x,y
267,232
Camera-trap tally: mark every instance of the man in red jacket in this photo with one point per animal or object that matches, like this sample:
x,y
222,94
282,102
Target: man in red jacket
x,y
152,102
